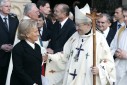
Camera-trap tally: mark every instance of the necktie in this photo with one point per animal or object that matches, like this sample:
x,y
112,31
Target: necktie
x,y
59,25
5,22
119,25
40,42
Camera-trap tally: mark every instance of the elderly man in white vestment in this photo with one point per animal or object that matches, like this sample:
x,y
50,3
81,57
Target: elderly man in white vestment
x,y
119,50
76,61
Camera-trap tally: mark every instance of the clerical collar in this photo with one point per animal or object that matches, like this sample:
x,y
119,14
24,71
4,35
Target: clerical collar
x,y
88,32
63,22
31,44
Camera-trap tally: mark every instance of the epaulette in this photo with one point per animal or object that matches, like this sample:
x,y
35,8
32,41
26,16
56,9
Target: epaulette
x,y
13,15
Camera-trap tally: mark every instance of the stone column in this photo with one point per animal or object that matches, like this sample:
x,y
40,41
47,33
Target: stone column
x,y
18,7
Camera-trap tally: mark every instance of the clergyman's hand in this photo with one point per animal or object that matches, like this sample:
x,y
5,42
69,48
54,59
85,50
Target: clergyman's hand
x,y
121,54
95,70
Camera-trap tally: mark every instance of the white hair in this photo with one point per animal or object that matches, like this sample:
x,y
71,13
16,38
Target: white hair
x,y
2,2
28,7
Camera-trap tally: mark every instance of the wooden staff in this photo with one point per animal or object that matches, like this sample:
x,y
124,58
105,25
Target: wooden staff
x,y
93,16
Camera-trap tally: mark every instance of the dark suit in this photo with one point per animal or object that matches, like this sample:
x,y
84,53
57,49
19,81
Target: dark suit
x,y
6,37
61,35
26,64
111,35
47,29
114,25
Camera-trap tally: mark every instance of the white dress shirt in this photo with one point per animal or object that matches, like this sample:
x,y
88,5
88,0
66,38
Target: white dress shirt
x,y
63,22
31,44
105,33
122,24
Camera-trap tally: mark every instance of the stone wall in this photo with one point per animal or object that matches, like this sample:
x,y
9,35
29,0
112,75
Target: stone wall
x,y
18,6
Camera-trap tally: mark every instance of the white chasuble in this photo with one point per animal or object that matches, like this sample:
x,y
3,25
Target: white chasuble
x,y
77,59
120,41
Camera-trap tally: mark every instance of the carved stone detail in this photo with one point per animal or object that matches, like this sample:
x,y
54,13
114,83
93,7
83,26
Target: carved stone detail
x,y
18,7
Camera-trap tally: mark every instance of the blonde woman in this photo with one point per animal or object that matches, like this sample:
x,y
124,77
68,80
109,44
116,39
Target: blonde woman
x,y
26,56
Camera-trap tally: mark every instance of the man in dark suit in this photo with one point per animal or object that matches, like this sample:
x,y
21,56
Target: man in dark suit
x,y
63,29
103,24
44,8
8,26
118,15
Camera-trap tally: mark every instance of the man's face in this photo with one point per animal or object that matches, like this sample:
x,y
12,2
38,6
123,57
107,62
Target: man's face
x,y
103,23
5,9
40,22
58,13
118,14
125,17
82,28
34,13
45,9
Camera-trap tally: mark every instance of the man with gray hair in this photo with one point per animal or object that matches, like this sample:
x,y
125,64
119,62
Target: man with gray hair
x,y
8,26
103,24
31,11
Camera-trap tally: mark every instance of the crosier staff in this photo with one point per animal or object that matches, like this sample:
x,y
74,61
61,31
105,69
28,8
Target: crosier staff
x,y
93,16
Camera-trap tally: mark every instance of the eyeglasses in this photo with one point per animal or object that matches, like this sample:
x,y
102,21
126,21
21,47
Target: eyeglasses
x,y
79,25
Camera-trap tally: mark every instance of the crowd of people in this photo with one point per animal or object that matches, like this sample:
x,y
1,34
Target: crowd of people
x,y
55,47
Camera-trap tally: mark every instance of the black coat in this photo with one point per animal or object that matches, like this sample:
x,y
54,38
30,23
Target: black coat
x,y
7,37
114,25
47,29
111,35
61,35
26,64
